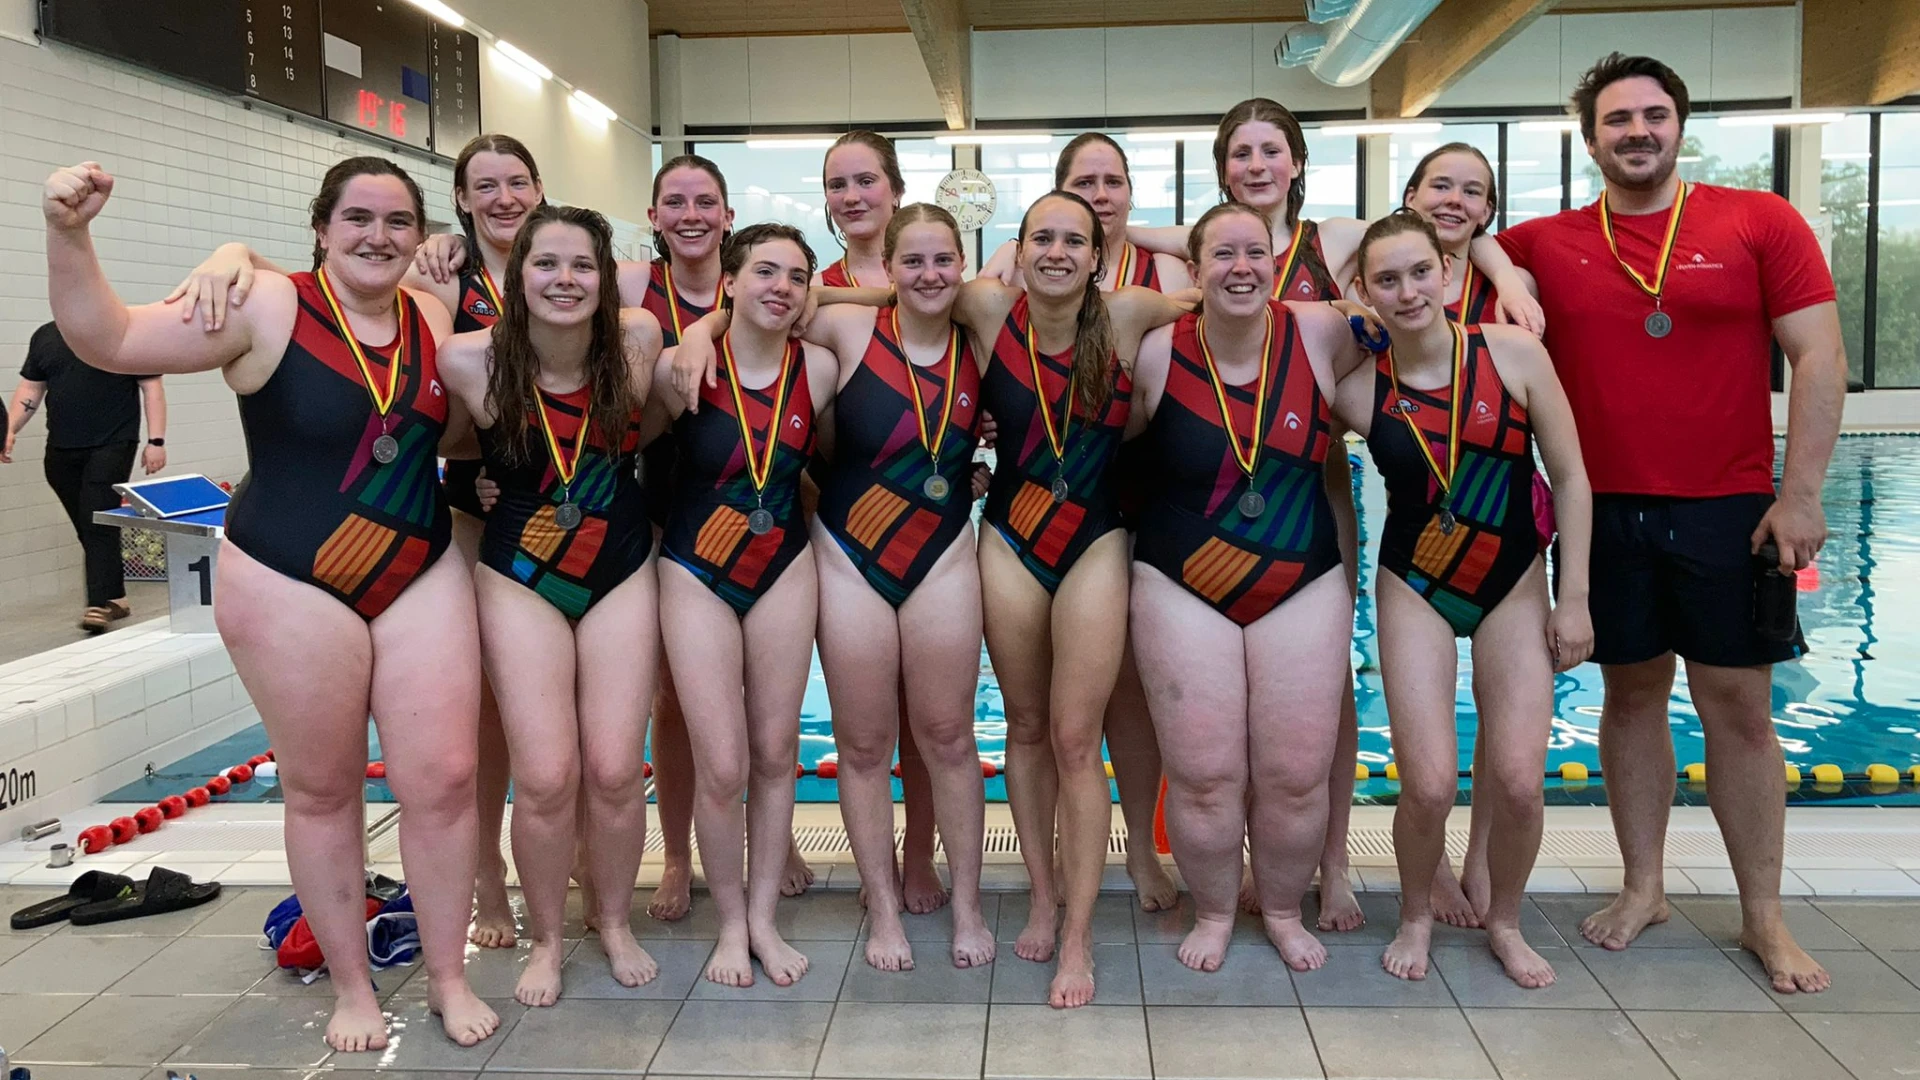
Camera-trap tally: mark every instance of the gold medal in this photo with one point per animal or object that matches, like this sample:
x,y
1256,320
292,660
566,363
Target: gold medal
x,y
386,448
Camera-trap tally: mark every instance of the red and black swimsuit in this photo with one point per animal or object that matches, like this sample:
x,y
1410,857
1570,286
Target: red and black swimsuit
x,y
316,506
674,312
477,310
874,502
835,276
1310,279
1478,302
712,491
1195,532
1134,474
1465,570
1049,536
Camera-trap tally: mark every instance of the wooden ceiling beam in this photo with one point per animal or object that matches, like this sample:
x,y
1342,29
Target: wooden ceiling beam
x,y
945,38
1451,42
1858,52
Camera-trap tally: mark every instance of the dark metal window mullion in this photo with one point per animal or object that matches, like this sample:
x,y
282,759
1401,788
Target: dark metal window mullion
x,y
1566,170
1179,181
1500,180
1869,336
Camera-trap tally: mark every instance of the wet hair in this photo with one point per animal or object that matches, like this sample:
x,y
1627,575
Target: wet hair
x,y
486,144
335,183
1093,338
1403,219
1196,236
1420,175
920,214
1269,111
1063,165
687,161
733,257
511,387
882,148
1615,66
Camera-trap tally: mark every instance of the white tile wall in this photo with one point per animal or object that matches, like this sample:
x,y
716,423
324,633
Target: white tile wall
x,y
195,170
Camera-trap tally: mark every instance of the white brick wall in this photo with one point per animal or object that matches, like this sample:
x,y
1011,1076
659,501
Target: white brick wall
x,y
194,170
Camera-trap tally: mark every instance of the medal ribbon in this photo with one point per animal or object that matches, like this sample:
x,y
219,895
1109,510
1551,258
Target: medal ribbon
x,y
1659,283
381,402
846,269
1056,440
1285,277
673,298
563,465
493,293
1466,292
1453,415
934,441
759,466
1123,274
1249,458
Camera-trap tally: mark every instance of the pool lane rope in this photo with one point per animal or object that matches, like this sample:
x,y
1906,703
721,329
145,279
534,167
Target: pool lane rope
x,y
98,838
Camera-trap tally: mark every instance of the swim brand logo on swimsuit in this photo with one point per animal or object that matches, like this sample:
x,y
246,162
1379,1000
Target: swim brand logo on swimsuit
x,y
482,308
1293,420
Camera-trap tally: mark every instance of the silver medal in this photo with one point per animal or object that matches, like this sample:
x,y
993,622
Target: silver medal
x,y
1659,324
1060,489
1253,504
760,521
937,488
1447,522
567,515
385,449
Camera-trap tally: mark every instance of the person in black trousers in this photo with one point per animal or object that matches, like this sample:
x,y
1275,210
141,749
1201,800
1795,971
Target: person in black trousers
x,y
93,426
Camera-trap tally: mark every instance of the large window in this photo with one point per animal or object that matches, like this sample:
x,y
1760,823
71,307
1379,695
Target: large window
x,y
1405,149
784,184
1845,159
1332,176
1534,186
1897,300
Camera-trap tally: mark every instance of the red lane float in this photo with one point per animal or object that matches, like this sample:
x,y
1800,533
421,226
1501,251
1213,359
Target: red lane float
x,y
218,785
148,818
240,774
95,839
173,805
197,796
123,829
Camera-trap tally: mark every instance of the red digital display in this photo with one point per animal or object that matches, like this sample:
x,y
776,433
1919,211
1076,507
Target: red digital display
x,y
379,114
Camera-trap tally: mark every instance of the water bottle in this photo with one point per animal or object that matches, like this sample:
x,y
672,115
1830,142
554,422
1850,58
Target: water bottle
x,y
1775,594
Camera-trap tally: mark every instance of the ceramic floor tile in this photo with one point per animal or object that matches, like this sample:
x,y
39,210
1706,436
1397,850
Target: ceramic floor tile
x,y
1734,1046
1353,977
826,967
416,1039
1705,979
1567,913
123,1031
1112,917
1599,1044
703,921
1862,983
493,973
681,964
1877,924
1098,1042
1192,1042
1871,1046
23,1017
820,916
1478,981
1718,917
1860,882
864,1040
744,1038
261,1031
242,914
1382,911
226,965
96,1072
1251,975
1534,924
1170,927
938,925
1431,1044
1116,977
586,1036
933,979
64,964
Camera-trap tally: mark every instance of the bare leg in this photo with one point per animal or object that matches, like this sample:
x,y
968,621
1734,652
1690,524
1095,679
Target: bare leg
x,y
1135,754
1192,662
1636,757
1743,757
493,922
920,887
673,800
1339,908
1463,901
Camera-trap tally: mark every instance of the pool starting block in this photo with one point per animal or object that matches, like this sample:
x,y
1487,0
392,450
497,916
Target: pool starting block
x,y
190,513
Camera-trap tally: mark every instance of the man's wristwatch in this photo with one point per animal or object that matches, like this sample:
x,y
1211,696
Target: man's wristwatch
x,y
156,442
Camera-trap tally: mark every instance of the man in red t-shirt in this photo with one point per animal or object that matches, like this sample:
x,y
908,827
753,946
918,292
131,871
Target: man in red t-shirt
x,y
1663,300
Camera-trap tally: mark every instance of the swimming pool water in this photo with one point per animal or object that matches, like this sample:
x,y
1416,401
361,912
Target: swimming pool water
x,y
1854,699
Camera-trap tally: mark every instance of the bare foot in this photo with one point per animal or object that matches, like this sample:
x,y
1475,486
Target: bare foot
x,y
972,941
466,1018
920,887
731,963
357,1024
1205,946
1072,984
493,923
1450,903
674,897
1788,966
1249,894
1339,908
539,984
1406,955
1151,882
799,876
887,947
631,964
1616,925
1524,966
1299,948
783,963
1037,938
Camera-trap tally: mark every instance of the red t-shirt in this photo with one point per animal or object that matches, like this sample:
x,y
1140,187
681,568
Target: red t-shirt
x,y
1686,415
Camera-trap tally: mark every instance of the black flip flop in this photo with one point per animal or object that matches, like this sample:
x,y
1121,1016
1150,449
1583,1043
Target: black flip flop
x,y
91,887
164,890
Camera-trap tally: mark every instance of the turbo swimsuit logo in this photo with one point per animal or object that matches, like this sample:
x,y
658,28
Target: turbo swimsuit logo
x,y
481,307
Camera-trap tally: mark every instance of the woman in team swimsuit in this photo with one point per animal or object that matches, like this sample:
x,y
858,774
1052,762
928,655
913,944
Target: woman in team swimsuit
x,y
1242,631
336,596
738,593
1449,414
566,583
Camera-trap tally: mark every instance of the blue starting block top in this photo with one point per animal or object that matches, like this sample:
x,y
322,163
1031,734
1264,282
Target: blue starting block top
x,y
191,505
